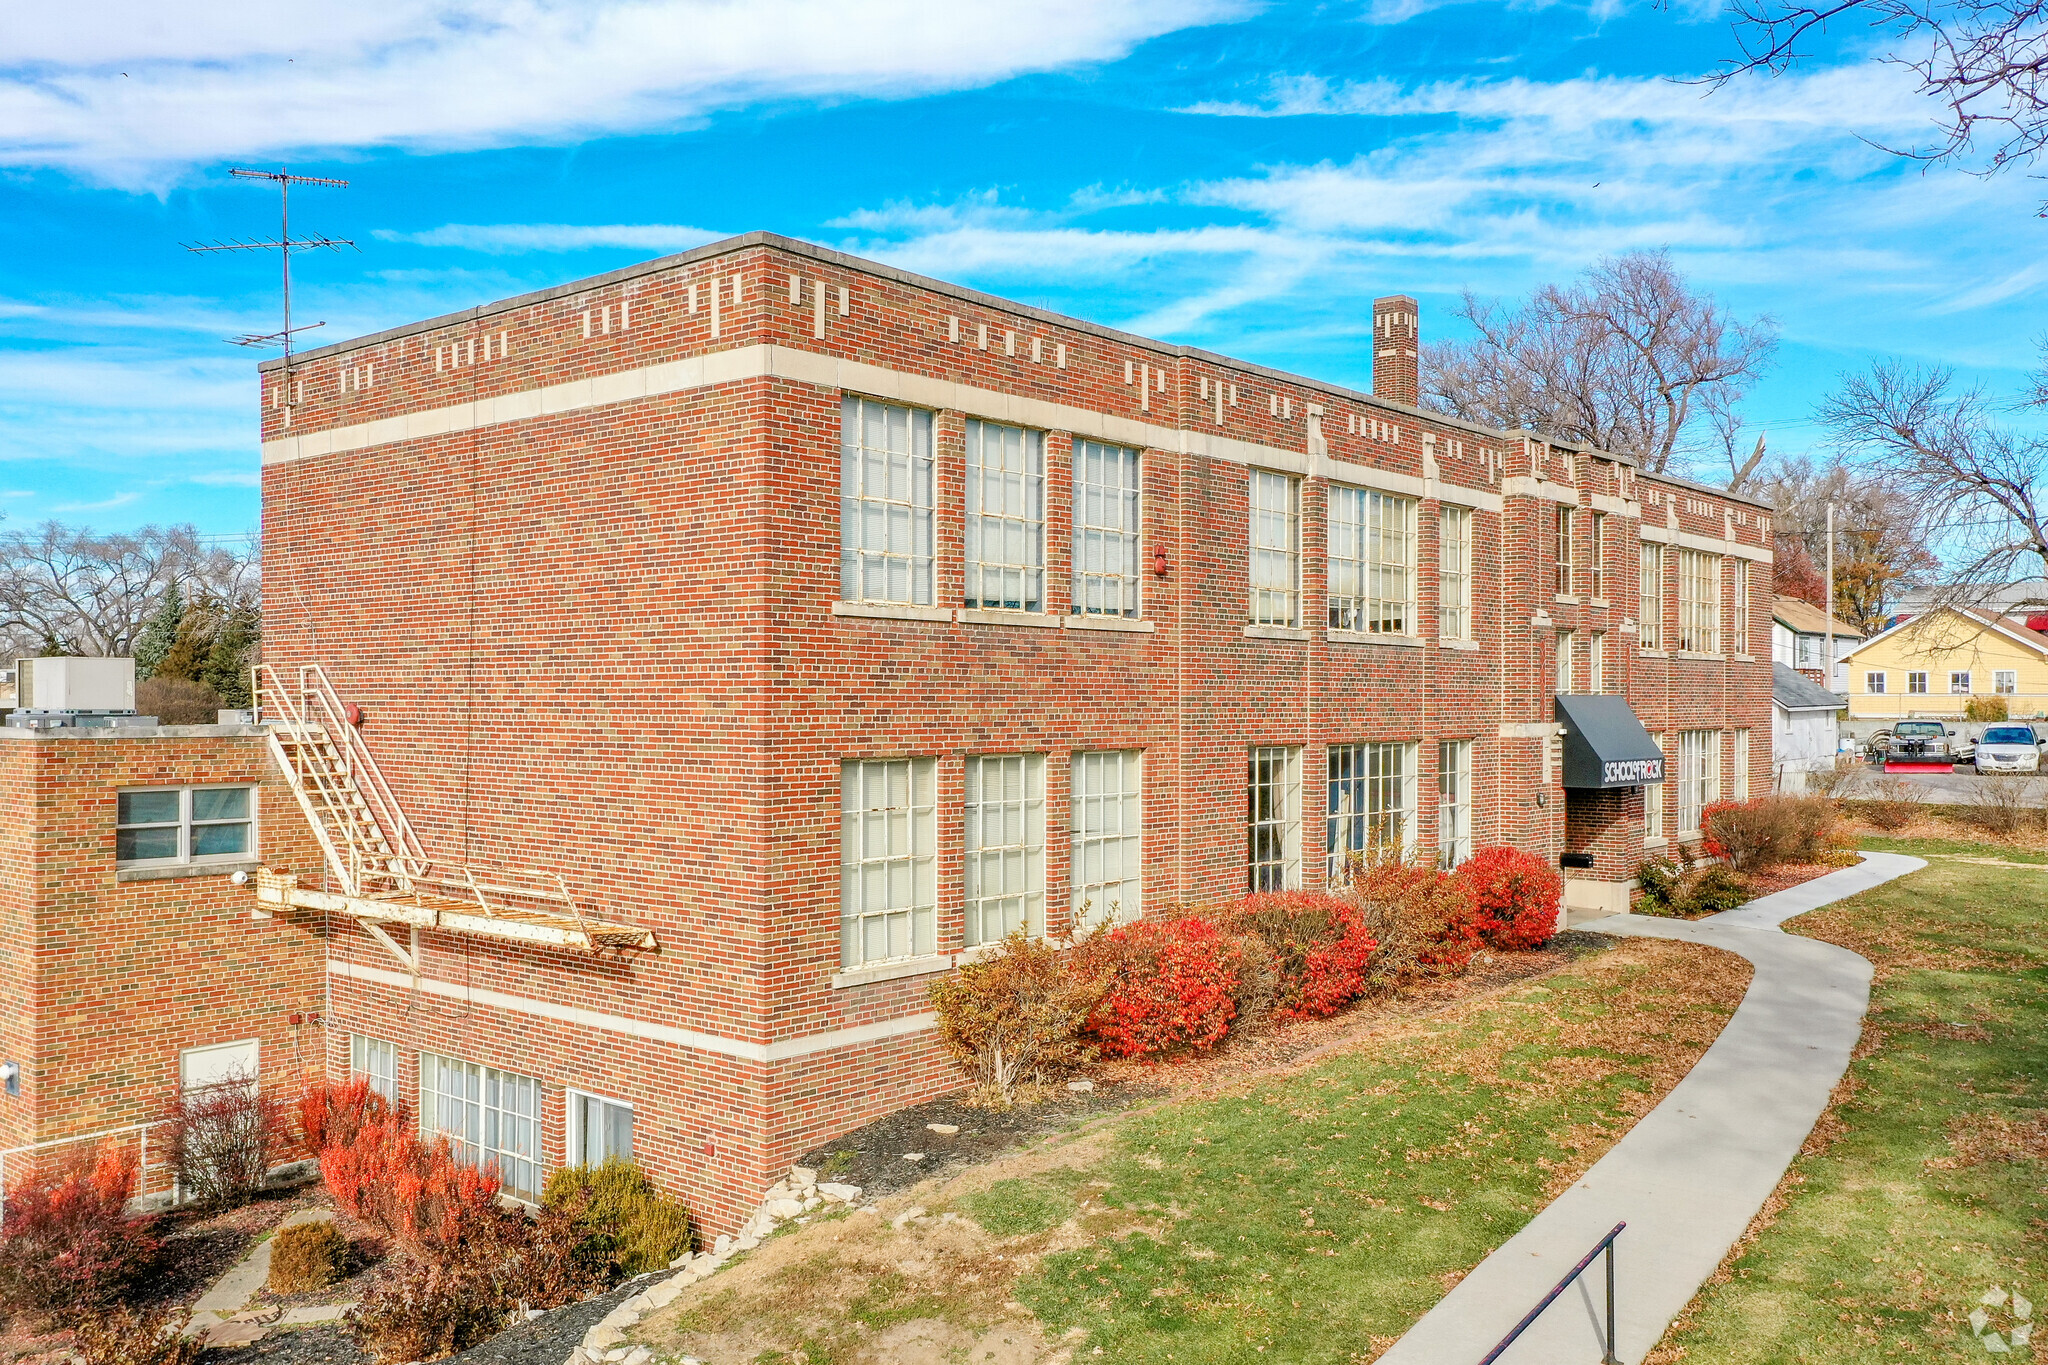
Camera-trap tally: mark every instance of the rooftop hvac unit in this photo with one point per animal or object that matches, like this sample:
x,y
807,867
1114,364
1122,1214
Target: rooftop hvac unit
x,y
66,692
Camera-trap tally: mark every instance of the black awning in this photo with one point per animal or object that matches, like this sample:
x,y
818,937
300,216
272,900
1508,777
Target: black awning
x,y
1605,745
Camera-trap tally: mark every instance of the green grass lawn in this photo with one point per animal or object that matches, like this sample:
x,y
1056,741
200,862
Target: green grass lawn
x,y
1305,1216
1924,1187
1924,848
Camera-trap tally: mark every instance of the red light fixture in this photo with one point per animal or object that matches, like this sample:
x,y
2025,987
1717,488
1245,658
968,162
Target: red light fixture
x,y
1159,561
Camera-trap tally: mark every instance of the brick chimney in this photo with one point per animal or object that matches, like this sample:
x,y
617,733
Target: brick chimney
x,y
1396,332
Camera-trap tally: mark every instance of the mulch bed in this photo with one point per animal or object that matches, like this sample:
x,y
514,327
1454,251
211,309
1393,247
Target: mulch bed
x,y
1771,880
369,1263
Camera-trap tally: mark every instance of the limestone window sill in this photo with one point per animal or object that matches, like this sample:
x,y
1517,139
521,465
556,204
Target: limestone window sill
x,y
1123,623
171,872
996,616
1691,654
1468,646
1653,654
1360,637
892,611
1599,602
1275,633
893,971
1567,598
1745,658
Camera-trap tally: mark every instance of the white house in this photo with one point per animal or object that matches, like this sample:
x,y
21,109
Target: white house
x,y
1805,727
1799,639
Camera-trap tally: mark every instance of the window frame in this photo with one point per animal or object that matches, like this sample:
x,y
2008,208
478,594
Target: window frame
x,y
1966,676
1128,837
361,1064
1273,818
486,1152
1273,571
1649,595
1358,565
1739,609
1027,856
1874,682
1123,541
1567,646
2005,682
855,457
1565,547
860,868
1454,572
186,826
1738,783
1916,684
1453,802
1596,557
1653,801
1699,777
1699,602
1358,774
578,1123
1030,485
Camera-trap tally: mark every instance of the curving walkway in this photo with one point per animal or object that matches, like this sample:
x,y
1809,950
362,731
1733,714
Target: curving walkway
x,y
1692,1174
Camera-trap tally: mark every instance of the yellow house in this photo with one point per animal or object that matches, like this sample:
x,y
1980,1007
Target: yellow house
x,y
1932,665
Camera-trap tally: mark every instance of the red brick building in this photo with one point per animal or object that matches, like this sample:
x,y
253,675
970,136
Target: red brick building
x,y
821,622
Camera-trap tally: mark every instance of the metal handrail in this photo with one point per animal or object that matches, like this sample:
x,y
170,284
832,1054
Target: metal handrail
x,y
385,811
1606,1244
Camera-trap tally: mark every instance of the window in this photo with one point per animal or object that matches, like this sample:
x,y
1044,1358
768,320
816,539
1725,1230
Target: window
x,y
885,503
1276,549
1005,517
1105,530
1596,556
888,892
487,1116
1372,805
599,1130
1653,802
1564,549
1699,777
1273,819
1564,662
1107,818
1596,662
1699,602
1650,601
2006,682
1873,683
1005,847
167,825
1372,548
1916,682
1453,801
375,1061
1741,607
1959,684
1454,574
1808,651
1741,783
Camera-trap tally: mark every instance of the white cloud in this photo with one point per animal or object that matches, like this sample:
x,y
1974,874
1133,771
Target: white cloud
x,y
509,238
144,89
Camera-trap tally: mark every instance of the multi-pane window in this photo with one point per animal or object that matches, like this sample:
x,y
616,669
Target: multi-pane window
x,y
603,1130
888,882
1005,847
1699,602
1105,530
1564,548
1005,517
1873,683
1699,777
1565,641
165,825
2005,682
1653,801
1741,607
1741,774
1275,549
488,1116
1371,804
1273,819
1959,683
1453,801
375,1061
1107,820
1596,556
1916,682
885,502
1454,574
1596,662
1372,561
1650,603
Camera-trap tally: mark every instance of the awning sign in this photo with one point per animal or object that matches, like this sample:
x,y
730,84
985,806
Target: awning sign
x,y
1605,746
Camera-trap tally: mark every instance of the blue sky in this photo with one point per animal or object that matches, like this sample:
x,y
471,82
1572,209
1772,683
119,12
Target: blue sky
x,y
1231,174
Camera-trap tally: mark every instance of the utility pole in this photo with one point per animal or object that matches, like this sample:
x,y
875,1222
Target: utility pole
x,y
1830,652
284,245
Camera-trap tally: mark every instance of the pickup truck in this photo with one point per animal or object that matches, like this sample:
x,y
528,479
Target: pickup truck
x,y
1924,746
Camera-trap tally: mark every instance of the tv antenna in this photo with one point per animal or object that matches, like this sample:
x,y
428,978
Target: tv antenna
x,y
284,245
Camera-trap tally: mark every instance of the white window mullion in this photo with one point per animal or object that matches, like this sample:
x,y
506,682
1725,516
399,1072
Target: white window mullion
x,y
1005,530
1107,817
885,502
1273,823
1004,836
1275,538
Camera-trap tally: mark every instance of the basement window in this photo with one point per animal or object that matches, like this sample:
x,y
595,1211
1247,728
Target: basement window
x,y
600,1129
489,1117
170,826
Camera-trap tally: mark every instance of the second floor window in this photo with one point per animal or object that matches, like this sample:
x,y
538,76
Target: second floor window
x,y
169,825
1105,530
1699,602
1005,517
885,503
1740,623
1650,608
1454,574
1372,562
1596,556
1564,549
1276,549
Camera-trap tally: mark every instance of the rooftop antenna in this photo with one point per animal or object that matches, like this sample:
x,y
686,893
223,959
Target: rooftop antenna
x,y
284,245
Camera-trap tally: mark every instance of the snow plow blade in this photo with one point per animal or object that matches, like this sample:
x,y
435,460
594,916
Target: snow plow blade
x,y
1900,765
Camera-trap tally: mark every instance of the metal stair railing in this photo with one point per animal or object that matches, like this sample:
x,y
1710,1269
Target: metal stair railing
x,y
1607,1356
409,856
317,782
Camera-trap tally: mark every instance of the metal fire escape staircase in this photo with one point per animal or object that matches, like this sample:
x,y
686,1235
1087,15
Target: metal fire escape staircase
x,y
383,871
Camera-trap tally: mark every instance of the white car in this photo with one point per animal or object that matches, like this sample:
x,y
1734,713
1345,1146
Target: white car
x,y
2009,749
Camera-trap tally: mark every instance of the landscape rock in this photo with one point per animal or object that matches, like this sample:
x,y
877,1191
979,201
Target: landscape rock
x,y
1081,1087
913,1156
943,1129
845,1194
723,1244
803,1177
782,1208
602,1338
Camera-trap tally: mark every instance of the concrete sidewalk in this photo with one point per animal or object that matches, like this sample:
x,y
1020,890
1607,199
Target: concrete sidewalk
x,y
1692,1174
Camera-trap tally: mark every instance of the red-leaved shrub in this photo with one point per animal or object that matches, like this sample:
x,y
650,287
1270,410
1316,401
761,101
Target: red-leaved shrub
x,y
1423,918
418,1195
1320,946
1168,985
68,1248
1515,896
331,1115
223,1139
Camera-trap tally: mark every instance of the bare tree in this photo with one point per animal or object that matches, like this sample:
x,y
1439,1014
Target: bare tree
x,y
1982,484
1985,61
1880,537
1623,359
67,588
